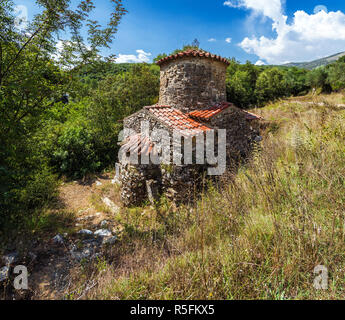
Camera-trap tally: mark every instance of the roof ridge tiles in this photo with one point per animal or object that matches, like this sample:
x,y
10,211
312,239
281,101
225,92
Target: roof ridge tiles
x,y
195,53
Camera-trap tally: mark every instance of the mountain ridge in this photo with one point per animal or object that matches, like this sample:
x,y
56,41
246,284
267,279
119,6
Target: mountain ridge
x,y
316,63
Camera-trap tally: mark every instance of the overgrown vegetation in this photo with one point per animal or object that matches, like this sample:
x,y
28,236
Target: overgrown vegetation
x,y
259,235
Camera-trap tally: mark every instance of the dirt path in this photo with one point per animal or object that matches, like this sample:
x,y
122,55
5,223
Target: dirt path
x,y
50,277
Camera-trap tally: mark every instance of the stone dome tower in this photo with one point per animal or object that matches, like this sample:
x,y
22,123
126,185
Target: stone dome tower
x,y
192,80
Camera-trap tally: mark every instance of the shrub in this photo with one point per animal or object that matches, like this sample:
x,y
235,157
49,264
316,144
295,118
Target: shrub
x,y
23,198
75,153
40,190
270,85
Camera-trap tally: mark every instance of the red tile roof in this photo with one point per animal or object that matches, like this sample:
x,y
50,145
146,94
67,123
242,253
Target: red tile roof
x,y
207,114
177,120
193,53
140,144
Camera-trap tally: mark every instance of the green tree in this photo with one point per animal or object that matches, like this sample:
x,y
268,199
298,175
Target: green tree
x,y
270,85
240,83
117,97
295,80
34,76
318,79
336,75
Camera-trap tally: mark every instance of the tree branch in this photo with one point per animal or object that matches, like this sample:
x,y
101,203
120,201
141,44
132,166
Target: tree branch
x,y
0,62
2,76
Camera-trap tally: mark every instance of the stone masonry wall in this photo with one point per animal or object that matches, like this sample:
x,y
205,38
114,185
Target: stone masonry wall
x,y
240,134
192,83
134,122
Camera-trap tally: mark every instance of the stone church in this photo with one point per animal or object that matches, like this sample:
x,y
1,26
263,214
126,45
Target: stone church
x,y
193,102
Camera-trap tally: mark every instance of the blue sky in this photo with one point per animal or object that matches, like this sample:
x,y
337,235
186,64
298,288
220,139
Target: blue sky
x,y
262,31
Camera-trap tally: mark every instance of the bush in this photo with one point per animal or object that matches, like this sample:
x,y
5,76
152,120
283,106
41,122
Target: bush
x,y
318,79
270,85
75,153
22,199
40,190
336,76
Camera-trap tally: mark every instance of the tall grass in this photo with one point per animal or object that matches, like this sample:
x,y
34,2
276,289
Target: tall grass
x,y
258,236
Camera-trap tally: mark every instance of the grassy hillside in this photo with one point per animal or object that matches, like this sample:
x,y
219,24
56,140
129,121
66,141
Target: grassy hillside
x,y
317,63
258,236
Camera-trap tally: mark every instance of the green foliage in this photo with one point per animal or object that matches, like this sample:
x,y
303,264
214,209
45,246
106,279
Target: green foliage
x,y
270,85
318,78
82,137
74,154
336,75
241,81
248,85
22,197
118,96
329,78
195,45
295,81
40,190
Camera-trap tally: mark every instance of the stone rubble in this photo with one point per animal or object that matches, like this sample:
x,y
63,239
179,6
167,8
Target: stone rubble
x,y
85,232
4,273
104,224
110,241
111,205
58,239
103,233
10,258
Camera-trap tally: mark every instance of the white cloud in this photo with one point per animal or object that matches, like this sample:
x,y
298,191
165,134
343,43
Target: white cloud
x,y
228,40
141,56
59,49
21,17
212,40
260,63
320,8
307,37
269,8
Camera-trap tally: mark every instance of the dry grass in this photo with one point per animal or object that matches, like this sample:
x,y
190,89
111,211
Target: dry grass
x,y
334,98
259,236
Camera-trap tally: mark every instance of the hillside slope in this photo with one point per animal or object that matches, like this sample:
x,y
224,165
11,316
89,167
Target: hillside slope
x,y
316,63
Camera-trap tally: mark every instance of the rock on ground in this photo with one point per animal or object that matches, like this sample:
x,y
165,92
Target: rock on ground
x,y
4,273
10,258
110,241
85,232
111,205
103,233
58,239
